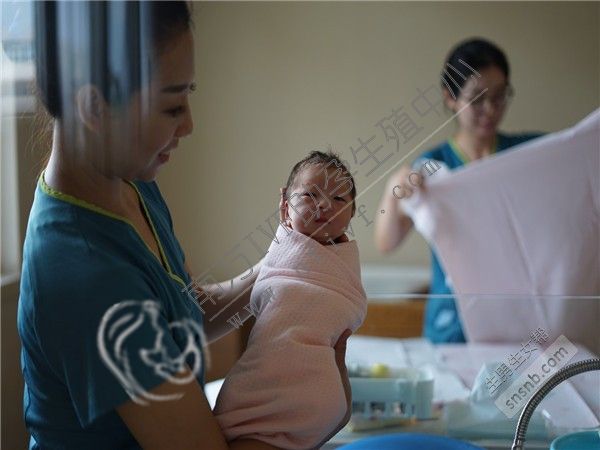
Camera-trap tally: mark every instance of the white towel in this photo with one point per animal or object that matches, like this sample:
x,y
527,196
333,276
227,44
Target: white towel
x,y
286,388
525,222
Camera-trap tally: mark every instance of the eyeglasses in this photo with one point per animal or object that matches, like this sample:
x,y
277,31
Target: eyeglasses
x,y
499,100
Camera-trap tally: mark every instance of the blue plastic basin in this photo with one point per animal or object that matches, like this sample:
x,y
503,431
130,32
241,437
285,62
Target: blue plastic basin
x,y
582,440
409,441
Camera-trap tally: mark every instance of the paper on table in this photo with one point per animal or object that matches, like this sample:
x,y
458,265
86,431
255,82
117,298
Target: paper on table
x,y
417,353
370,350
570,405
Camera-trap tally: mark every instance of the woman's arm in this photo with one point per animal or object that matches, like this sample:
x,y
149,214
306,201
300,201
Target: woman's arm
x,y
186,423
236,290
340,360
393,226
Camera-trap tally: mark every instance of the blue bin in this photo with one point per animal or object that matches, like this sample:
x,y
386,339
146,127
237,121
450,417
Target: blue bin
x,y
582,440
409,441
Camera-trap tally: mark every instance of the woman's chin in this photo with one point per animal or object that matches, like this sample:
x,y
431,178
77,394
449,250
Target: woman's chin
x,y
148,175
486,131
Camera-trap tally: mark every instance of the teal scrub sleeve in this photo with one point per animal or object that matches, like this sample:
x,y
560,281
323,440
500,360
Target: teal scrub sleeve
x,y
109,343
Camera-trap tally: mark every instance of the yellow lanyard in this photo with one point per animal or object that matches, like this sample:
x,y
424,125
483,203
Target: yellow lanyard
x,y
462,156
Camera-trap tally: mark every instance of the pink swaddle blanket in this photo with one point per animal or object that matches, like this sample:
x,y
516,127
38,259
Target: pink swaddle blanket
x,y
286,388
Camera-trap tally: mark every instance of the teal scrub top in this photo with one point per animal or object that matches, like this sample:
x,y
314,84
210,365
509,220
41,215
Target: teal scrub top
x,y
80,358
442,322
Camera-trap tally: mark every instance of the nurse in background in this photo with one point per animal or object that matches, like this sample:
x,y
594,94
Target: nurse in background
x,y
481,92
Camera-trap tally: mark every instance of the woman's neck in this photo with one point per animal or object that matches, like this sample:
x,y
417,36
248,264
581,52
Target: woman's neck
x,y
475,147
76,175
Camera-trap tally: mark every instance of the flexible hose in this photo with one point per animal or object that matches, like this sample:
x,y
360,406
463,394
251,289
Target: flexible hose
x,y
560,376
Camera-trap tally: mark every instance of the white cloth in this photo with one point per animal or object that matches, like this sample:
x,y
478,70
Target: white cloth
x,y
286,388
526,223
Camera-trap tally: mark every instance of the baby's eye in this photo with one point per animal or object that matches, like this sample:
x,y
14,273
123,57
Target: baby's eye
x,y
174,112
340,198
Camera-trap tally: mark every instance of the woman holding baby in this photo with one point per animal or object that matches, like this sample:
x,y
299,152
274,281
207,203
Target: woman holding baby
x,y
112,346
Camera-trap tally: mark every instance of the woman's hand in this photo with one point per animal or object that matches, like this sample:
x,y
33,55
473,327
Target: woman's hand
x,y
340,360
392,226
343,238
404,182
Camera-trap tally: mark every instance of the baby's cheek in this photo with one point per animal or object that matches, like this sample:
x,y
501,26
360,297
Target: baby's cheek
x,y
304,214
298,210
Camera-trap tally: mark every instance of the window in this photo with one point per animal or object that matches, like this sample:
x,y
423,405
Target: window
x,y
17,56
17,74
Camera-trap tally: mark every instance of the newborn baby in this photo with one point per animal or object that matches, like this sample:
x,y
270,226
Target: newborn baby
x,y
286,388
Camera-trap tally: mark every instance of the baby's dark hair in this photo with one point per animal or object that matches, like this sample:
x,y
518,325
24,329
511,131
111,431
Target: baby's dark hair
x,y
327,159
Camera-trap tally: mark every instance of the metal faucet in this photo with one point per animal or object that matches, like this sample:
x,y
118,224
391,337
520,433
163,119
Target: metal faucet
x,y
560,376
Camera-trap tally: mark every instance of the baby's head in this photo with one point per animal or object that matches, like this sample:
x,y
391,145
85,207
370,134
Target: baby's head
x,y
320,196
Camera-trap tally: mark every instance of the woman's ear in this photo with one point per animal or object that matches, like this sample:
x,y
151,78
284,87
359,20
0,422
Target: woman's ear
x,y
449,100
91,107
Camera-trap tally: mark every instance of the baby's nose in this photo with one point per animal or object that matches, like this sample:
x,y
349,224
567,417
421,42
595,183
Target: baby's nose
x,y
324,203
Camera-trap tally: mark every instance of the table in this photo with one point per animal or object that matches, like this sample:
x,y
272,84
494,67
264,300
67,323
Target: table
x,y
575,403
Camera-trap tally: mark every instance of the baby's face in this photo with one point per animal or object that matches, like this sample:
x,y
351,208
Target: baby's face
x,y
318,205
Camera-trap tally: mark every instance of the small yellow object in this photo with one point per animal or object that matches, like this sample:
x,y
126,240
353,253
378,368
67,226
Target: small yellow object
x,y
380,370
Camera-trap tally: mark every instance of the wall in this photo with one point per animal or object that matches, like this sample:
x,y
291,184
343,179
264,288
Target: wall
x,y
30,150
276,80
